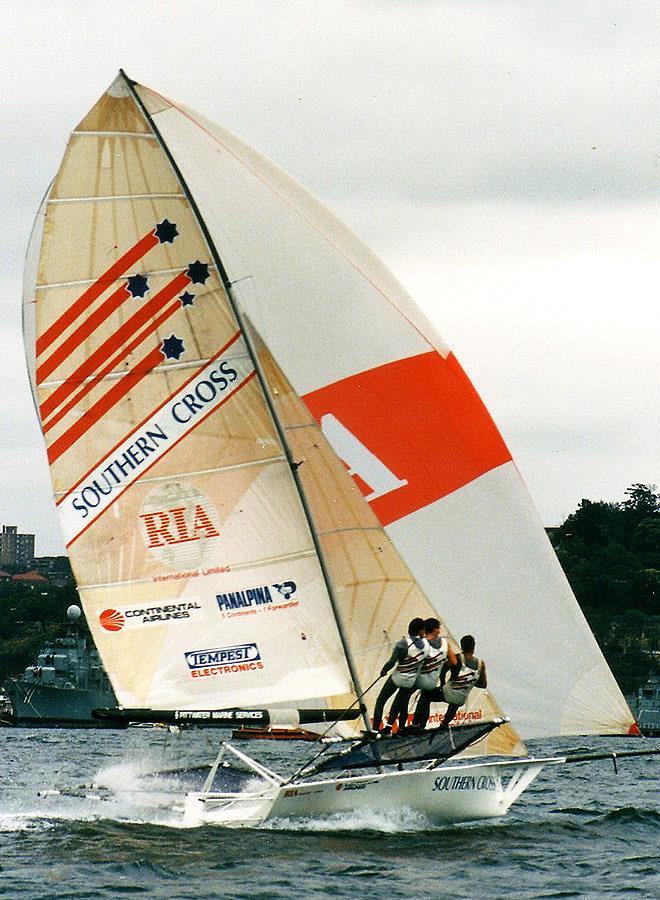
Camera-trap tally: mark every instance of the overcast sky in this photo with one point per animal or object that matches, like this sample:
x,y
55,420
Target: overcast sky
x,y
501,157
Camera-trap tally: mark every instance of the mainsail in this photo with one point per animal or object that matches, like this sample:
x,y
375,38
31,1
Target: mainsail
x,y
212,570
192,554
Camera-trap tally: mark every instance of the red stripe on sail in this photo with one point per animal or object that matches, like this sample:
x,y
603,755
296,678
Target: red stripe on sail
x,y
95,290
107,401
82,332
198,421
105,351
423,429
112,363
141,424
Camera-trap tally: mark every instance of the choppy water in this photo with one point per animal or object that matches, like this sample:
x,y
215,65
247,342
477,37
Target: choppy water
x,y
581,831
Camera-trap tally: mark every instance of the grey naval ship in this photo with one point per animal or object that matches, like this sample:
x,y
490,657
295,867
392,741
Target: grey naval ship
x,y
648,707
64,685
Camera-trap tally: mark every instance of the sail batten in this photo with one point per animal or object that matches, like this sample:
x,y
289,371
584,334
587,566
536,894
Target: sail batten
x,y
234,567
130,134
200,472
117,197
113,376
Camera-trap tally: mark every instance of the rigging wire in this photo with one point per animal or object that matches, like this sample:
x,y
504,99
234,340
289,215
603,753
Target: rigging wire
x,y
330,727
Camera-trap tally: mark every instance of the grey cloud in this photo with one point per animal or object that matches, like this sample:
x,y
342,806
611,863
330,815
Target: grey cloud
x,y
457,135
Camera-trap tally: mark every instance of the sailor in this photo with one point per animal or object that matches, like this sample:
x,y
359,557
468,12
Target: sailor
x,y
407,655
439,653
468,672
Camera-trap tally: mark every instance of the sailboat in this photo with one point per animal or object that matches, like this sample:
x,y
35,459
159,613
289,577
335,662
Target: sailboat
x,y
266,462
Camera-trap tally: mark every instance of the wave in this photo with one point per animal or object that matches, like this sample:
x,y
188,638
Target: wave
x,y
393,821
27,821
631,815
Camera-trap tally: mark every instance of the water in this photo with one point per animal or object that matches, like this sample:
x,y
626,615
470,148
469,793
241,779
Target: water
x,y
580,831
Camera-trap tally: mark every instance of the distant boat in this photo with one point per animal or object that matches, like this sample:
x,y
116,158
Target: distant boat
x,y
648,707
245,733
5,709
63,686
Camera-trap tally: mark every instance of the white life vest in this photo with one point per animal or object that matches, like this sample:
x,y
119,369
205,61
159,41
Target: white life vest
x,y
406,671
458,688
431,665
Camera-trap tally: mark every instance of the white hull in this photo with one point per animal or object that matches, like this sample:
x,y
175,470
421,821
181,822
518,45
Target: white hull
x,y
460,793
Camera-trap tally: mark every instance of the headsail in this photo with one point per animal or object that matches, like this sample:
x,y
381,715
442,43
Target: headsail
x,y
375,593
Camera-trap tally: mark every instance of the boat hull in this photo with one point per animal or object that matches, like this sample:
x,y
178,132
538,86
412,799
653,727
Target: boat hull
x,y
443,796
42,705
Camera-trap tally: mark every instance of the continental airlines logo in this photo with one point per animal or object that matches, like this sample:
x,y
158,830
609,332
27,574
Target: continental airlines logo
x,y
112,620
135,617
224,660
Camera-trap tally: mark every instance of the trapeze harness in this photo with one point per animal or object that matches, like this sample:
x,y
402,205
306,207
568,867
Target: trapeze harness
x,y
427,678
469,675
405,674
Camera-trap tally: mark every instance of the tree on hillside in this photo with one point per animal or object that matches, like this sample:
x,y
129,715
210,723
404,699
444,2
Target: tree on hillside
x,y
27,618
642,508
596,522
645,541
610,553
643,500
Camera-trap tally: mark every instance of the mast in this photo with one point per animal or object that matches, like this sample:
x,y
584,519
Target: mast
x,y
245,330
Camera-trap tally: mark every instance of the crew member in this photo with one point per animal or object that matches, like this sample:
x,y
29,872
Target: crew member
x,y
407,655
468,672
439,654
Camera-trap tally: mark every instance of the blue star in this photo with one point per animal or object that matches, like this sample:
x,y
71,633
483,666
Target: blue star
x,y
166,231
198,272
172,347
137,285
186,299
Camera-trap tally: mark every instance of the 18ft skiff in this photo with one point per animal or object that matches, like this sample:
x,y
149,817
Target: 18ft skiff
x,y
266,462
